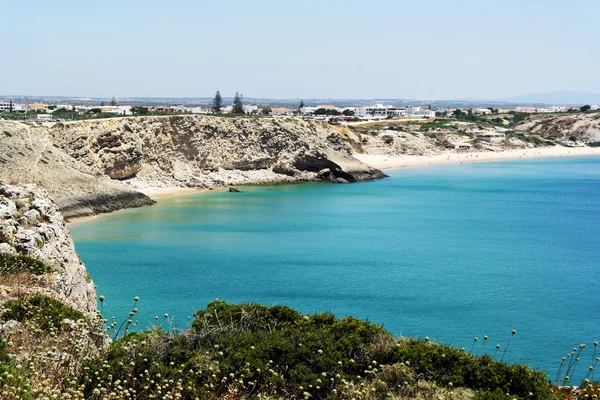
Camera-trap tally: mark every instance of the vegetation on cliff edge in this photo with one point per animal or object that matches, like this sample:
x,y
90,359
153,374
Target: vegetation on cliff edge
x,y
254,351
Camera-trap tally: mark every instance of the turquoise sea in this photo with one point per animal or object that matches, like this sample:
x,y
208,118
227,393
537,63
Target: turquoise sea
x,y
450,252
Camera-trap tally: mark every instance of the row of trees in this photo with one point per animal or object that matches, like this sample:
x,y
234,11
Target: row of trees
x,y
237,107
238,104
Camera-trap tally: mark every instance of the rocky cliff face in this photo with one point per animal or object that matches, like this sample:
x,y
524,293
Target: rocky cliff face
x,y
207,151
564,125
28,154
98,165
31,225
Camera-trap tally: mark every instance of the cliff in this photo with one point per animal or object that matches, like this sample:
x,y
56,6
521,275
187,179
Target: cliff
x,y
208,151
563,125
32,227
98,165
29,155
440,136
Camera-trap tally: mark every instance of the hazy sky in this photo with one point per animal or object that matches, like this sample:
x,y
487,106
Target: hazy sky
x,y
299,49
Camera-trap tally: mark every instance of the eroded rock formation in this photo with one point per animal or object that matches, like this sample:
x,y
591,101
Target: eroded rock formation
x,y
31,225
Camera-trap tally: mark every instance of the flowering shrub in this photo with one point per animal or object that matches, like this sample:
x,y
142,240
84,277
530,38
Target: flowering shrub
x,y
250,350
14,264
47,313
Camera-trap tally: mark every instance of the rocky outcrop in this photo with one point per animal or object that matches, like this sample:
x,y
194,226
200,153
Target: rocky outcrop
x,y
198,151
564,125
30,155
98,166
31,225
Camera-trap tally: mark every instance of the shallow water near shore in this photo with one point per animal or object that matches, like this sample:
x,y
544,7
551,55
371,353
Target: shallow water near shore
x,y
450,252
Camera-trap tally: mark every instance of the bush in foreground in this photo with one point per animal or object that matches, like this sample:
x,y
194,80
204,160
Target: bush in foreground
x,y
251,351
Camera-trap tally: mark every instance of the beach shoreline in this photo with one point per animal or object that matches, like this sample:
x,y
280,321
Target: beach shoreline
x,y
386,162
396,162
155,193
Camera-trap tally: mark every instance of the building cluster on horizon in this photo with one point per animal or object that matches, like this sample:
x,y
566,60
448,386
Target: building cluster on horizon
x,y
550,109
44,112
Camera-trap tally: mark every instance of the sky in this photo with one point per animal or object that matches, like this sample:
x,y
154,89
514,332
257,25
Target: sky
x,y
341,49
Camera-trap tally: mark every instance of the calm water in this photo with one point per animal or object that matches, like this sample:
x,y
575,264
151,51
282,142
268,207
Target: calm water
x,y
448,252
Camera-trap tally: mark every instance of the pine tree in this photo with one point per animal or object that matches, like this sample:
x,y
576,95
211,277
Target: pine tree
x,y
301,104
217,103
113,101
238,104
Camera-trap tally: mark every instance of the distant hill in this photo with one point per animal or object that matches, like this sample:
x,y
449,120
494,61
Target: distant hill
x,y
560,97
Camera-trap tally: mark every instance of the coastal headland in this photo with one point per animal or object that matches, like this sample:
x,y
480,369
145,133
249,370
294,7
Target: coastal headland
x,y
96,166
91,167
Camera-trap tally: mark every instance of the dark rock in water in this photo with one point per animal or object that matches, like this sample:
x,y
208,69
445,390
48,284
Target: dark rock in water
x,y
282,169
324,174
234,190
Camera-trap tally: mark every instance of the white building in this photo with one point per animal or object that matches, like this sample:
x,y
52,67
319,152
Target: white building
x,y
200,110
67,107
418,111
462,147
5,106
250,109
43,117
308,110
396,111
491,137
377,110
381,111
124,110
281,111
82,109
179,108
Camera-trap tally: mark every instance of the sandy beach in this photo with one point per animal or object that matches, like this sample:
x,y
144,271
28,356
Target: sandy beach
x,y
156,193
76,220
393,162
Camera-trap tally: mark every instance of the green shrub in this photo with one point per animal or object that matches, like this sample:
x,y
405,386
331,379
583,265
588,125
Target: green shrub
x,y
276,348
7,368
492,395
47,313
518,117
4,358
14,264
282,353
445,365
534,140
